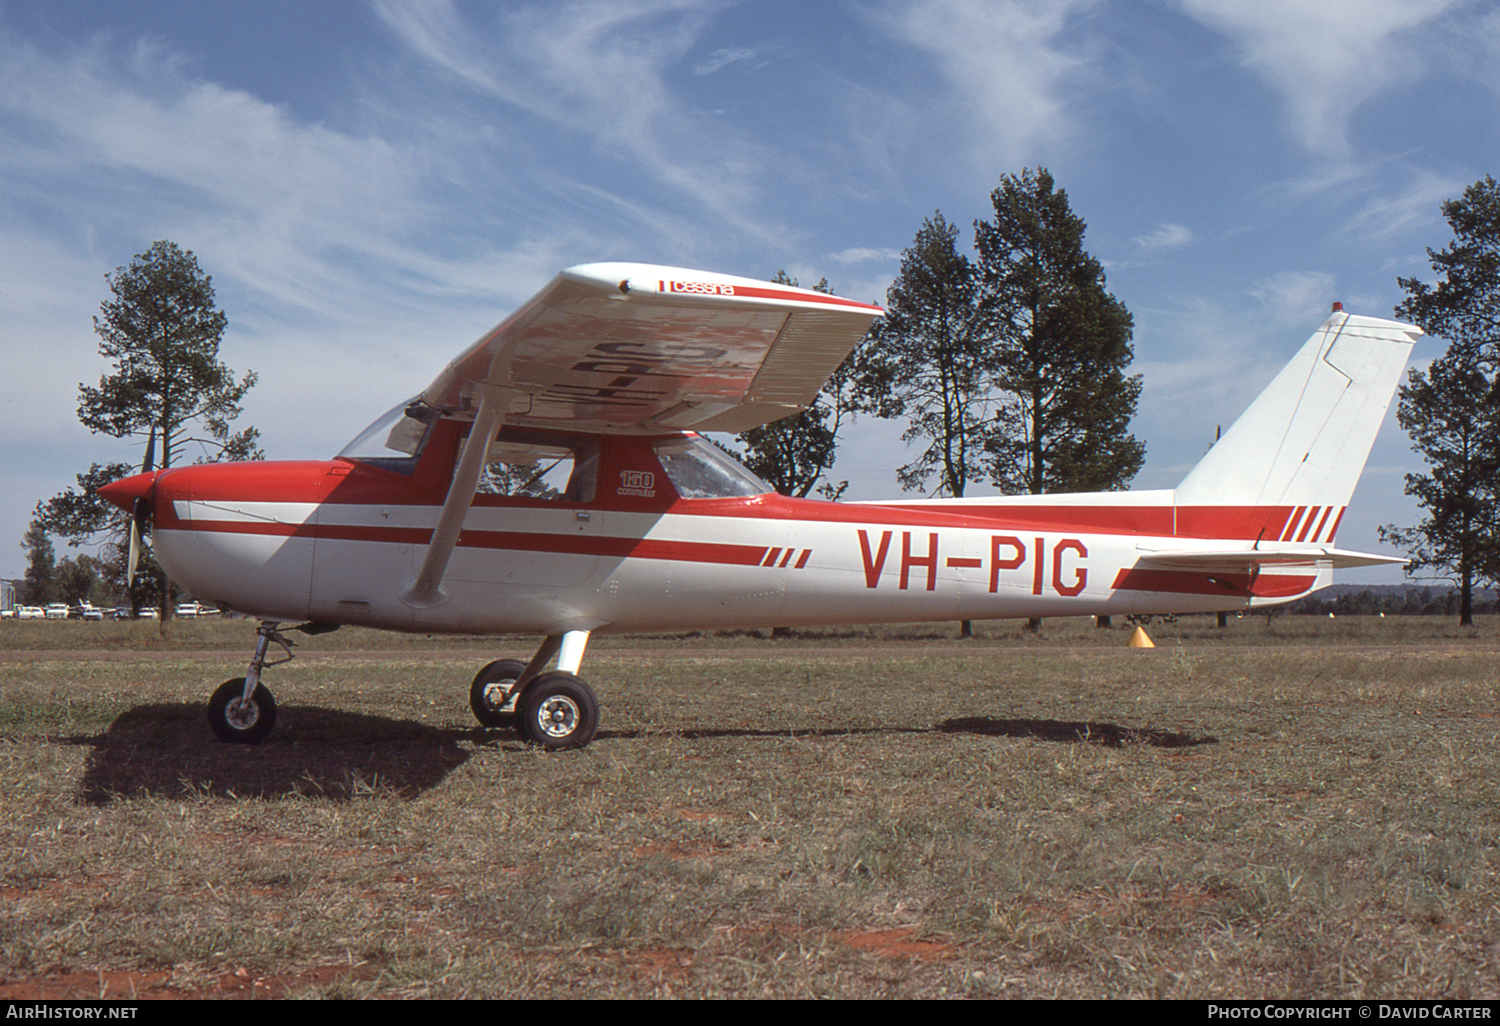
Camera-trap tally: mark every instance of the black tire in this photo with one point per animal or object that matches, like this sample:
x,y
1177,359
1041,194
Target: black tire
x,y
241,723
557,710
489,683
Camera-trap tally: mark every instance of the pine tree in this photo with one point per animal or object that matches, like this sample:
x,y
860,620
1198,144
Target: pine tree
x,y
1010,367
161,332
40,584
1452,409
1464,305
1060,346
929,363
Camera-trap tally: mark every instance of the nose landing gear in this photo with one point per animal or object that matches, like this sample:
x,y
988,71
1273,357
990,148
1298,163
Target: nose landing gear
x,y
242,710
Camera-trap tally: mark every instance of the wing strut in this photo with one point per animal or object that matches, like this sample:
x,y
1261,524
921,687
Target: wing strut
x,y
427,591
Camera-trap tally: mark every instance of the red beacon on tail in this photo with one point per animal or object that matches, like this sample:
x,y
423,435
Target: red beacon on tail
x,y
590,504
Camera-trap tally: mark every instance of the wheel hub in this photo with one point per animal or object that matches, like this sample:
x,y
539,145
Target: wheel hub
x,y
558,716
498,698
242,715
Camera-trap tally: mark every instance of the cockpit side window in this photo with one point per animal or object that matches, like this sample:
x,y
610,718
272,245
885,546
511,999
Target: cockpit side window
x,y
538,465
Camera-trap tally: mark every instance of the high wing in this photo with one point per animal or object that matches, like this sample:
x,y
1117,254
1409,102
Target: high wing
x,y
636,348
625,348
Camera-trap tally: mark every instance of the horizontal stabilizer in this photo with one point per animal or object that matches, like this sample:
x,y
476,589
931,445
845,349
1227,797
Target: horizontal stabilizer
x,y
1256,559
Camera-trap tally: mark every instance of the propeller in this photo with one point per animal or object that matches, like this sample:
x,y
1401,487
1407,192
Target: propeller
x,y
140,523
140,513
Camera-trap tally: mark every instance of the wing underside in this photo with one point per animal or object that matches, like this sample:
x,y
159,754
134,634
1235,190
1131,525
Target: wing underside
x,y
640,348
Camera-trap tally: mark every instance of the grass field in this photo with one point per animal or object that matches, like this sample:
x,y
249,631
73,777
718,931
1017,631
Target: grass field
x,y
1293,809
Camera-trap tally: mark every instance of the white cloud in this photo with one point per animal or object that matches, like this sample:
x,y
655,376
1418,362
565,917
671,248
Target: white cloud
x,y
1294,298
721,59
1005,60
864,255
1327,57
1417,204
1168,236
598,69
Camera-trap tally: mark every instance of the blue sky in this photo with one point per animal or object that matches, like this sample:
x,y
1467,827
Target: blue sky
x,y
374,184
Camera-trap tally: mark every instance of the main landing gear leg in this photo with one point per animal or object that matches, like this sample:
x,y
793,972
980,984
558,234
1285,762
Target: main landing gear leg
x,y
242,710
554,709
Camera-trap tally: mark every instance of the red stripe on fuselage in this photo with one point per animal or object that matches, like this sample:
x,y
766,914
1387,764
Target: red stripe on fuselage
x,y
567,544
338,484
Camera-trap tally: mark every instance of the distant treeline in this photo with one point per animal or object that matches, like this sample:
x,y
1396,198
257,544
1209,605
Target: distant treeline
x,y
1392,602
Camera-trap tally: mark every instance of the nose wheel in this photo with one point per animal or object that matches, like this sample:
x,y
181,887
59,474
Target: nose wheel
x,y
239,720
242,711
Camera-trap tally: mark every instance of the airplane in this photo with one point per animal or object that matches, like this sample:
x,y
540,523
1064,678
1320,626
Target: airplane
x,y
594,505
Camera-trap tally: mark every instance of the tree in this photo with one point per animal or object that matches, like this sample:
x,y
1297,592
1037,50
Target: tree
x,y
930,363
1452,409
1464,306
1452,413
1012,366
1060,346
79,580
40,585
161,331
793,454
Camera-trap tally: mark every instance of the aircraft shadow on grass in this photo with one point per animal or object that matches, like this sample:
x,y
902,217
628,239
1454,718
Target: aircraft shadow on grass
x,y
167,751
1110,735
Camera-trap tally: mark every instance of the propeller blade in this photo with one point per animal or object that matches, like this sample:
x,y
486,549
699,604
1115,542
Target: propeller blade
x,y
139,515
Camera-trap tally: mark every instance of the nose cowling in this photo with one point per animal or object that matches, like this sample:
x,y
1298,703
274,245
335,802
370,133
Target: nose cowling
x,y
124,492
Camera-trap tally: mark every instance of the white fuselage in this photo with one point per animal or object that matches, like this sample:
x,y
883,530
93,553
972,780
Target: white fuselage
x,y
701,564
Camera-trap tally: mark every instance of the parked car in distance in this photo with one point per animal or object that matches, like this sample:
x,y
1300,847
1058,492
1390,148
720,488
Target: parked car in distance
x,y
57,611
30,613
193,610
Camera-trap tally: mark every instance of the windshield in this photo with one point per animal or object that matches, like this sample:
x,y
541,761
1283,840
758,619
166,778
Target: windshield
x,y
701,470
395,440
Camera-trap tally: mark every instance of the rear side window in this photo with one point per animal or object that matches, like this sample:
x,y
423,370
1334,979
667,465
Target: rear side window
x,y
699,469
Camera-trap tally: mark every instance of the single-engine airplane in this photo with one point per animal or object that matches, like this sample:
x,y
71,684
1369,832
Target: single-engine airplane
x,y
590,503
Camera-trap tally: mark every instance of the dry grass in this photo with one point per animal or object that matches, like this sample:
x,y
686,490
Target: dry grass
x,y
1305,809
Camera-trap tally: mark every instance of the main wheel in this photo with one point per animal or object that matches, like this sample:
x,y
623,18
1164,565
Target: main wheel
x,y
237,721
557,710
487,695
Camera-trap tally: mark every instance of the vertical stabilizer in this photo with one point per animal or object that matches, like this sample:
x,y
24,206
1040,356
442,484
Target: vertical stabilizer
x,y
1304,441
